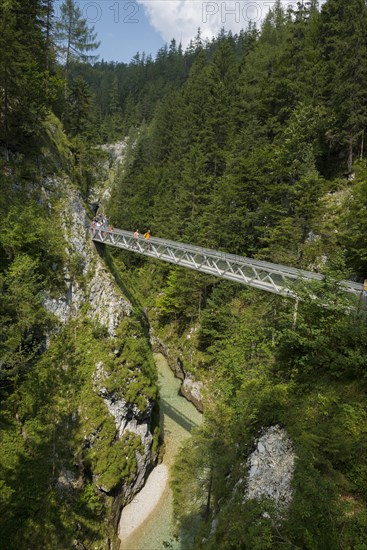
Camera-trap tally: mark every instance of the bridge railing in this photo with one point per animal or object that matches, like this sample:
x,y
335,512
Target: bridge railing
x,y
275,278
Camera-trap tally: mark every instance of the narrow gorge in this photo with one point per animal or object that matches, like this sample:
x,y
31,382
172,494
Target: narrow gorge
x,y
145,405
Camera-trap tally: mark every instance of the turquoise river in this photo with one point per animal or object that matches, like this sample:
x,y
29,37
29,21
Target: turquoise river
x,y
178,418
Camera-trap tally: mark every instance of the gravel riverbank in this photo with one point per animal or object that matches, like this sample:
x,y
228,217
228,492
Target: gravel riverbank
x,y
136,513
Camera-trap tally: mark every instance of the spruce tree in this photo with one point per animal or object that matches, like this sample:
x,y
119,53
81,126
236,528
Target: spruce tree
x,y
73,35
78,115
344,51
23,78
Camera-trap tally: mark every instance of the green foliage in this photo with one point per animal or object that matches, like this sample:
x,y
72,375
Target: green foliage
x,y
26,82
354,223
79,113
56,146
75,38
30,230
41,417
56,425
184,295
32,262
23,318
326,338
260,377
344,74
117,463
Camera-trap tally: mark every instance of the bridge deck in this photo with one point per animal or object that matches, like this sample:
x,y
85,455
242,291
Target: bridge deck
x,y
275,278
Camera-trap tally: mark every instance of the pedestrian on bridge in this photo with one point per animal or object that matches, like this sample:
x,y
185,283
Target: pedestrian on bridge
x,y
147,236
136,238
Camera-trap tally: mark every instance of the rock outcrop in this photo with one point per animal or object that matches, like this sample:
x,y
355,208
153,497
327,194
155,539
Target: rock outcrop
x,y
128,418
115,156
90,290
191,389
116,152
106,305
271,467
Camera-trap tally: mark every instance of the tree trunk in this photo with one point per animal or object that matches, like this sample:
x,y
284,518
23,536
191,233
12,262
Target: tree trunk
x,y
362,145
48,35
207,508
350,155
6,111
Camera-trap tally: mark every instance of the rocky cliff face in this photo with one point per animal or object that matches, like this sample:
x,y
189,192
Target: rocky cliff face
x,y
128,418
91,291
270,468
105,303
115,157
192,390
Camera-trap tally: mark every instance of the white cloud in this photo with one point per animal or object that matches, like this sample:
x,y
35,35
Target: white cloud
x,y
180,19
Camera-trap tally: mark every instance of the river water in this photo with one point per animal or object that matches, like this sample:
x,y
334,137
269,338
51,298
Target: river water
x,y
178,417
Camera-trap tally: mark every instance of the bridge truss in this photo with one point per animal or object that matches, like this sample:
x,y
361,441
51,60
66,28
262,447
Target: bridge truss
x,y
275,278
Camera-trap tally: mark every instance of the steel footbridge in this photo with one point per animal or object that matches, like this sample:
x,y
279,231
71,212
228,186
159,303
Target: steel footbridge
x,y
275,278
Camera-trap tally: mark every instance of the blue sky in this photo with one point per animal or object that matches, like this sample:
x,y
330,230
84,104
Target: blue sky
x,y
125,27
122,28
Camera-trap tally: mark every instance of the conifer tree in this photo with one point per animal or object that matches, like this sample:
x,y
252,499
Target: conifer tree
x,y
344,51
73,35
48,26
23,94
79,114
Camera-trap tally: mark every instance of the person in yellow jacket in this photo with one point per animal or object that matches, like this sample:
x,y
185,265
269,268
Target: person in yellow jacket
x,y
147,236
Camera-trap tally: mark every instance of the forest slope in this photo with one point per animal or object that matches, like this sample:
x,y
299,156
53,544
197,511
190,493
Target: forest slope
x,y
261,152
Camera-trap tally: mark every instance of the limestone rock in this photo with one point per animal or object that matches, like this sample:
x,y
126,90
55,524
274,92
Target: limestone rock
x,y
107,305
115,151
128,418
192,390
271,467
67,481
